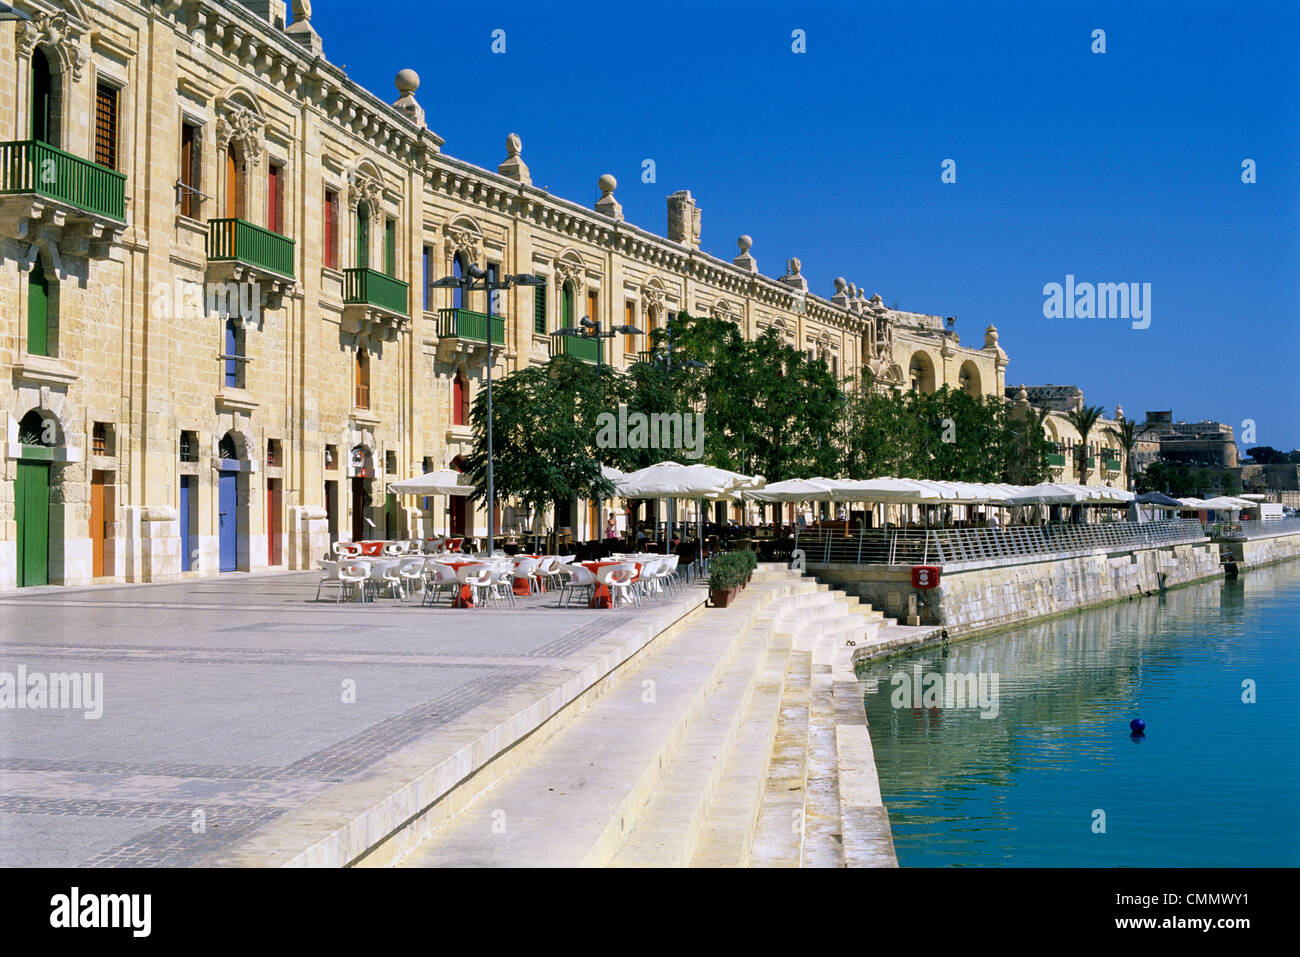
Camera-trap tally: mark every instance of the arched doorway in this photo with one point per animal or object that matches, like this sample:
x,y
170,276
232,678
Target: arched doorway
x,y
38,435
232,504
968,378
921,374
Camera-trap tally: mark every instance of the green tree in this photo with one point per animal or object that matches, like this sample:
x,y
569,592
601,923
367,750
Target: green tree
x,y
1125,435
1084,419
543,431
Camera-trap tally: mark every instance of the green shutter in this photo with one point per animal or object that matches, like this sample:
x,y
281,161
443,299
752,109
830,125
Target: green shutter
x,y
390,248
38,311
32,509
539,310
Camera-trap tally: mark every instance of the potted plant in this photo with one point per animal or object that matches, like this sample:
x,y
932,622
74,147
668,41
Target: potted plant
x,y
750,562
725,575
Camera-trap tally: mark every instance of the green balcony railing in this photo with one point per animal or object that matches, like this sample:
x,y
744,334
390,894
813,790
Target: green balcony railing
x,y
371,288
30,166
1111,465
236,240
466,324
1056,459
585,348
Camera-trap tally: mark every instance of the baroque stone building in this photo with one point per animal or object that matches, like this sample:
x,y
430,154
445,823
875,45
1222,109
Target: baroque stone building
x,y
217,331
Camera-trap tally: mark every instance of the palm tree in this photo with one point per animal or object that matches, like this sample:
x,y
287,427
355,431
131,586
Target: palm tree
x,y
1084,419
1126,435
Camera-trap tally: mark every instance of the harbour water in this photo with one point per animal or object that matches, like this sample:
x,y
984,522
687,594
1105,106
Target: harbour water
x,y
1057,779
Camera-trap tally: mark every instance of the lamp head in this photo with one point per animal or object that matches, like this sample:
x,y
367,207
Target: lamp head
x,y
446,282
588,324
476,271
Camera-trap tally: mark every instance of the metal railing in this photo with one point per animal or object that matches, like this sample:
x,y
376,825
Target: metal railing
x,y
372,288
585,348
30,166
456,323
1256,529
950,546
237,240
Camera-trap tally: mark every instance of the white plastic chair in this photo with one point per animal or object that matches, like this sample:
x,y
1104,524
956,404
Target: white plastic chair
x,y
548,571
478,577
439,577
620,579
526,569
579,578
411,574
355,576
647,581
503,581
331,578
667,576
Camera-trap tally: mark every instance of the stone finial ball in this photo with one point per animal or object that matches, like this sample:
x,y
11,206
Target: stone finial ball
x,y
841,283
744,242
408,81
514,145
607,183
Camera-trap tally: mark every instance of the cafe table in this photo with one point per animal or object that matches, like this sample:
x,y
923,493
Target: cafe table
x,y
600,596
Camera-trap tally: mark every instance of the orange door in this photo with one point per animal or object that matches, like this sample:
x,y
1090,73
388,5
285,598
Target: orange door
x,y
97,523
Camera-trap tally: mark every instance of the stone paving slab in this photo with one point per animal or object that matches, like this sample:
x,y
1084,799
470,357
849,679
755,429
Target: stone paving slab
x,y
231,702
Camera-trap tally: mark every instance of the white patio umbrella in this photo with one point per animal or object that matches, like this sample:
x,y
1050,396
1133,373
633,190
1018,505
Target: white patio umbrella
x,y
441,482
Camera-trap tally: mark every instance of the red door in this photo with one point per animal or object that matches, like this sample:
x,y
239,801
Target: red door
x,y
273,497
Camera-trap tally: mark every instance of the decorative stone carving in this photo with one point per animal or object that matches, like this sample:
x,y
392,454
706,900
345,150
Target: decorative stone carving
x,y
408,81
793,278
514,167
720,310
457,239
57,32
652,299
367,189
570,271
301,31
683,219
242,126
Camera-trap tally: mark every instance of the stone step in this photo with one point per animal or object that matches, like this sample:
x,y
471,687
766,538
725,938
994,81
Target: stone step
x,y
822,841
778,835
732,817
669,824
574,800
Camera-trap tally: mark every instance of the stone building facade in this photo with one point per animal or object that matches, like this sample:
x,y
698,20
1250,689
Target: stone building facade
x,y
1106,459
217,332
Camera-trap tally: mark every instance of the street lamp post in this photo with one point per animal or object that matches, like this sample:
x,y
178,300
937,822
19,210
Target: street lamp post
x,y
590,329
477,279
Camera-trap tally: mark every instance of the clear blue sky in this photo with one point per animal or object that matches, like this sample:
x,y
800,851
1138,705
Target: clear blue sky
x,y
1115,167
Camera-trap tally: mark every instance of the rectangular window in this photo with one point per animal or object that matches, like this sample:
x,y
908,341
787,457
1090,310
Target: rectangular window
x,y
593,305
390,247
191,168
331,229
629,318
106,125
234,354
272,453
189,446
539,310
331,458
98,439
275,198
427,272
363,379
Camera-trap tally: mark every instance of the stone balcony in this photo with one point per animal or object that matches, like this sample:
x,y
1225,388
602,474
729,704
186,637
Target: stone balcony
x,y
46,193
375,305
241,252
466,331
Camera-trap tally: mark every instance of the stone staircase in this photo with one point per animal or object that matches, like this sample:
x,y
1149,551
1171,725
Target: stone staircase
x,y
718,749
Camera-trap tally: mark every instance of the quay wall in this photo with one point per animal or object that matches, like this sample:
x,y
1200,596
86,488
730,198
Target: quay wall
x,y
1254,552
970,599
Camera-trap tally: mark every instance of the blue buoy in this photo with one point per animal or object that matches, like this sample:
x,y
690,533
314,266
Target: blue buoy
x,y
1137,726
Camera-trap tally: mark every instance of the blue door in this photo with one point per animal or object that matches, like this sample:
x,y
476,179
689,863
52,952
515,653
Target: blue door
x,y
227,488
189,512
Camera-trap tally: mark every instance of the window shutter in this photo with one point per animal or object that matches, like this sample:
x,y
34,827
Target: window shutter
x,y
106,126
38,305
539,310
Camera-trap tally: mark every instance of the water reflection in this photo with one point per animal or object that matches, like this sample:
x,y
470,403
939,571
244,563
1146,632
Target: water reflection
x,y
1210,784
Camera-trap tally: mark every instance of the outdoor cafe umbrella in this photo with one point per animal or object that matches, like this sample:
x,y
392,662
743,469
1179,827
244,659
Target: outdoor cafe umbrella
x,y
674,480
442,482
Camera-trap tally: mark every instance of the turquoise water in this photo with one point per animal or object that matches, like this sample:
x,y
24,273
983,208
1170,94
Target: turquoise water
x,y
1215,782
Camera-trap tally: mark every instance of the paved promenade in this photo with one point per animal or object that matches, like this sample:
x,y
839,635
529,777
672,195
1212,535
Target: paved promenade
x,y
230,703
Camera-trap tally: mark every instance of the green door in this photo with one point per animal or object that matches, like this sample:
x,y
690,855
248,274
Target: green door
x,y
32,508
38,311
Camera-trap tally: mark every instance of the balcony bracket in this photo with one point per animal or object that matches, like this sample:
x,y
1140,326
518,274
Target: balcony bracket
x,y
272,286
76,232
373,322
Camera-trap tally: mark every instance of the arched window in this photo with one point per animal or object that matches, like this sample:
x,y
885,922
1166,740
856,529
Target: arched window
x,y
38,312
460,399
459,267
363,379
566,306
363,235
45,119
228,448
969,379
34,428
921,373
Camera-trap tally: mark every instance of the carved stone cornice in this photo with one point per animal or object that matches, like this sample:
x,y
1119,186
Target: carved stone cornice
x,y
461,239
367,189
